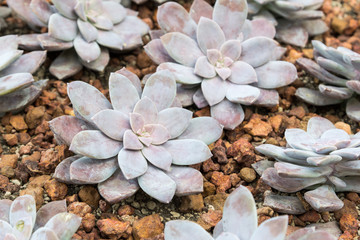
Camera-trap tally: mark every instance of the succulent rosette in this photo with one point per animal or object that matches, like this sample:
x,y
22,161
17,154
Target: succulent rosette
x,y
20,221
17,85
219,58
139,140
323,158
339,69
295,20
240,222
84,29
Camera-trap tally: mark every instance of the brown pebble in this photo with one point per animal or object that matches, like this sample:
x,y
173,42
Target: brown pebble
x,y
56,190
257,127
18,122
11,139
126,210
248,174
192,202
90,195
148,227
9,160
311,216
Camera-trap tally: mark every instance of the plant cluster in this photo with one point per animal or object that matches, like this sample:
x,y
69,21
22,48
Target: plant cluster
x,y
295,20
139,140
219,63
339,69
239,222
20,221
83,29
323,159
17,85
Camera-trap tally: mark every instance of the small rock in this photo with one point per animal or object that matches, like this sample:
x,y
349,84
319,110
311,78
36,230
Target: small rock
x,y
147,227
192,202
209,189
262,165
18,122
90,195
151,205
241,146
4,181
38,181
217,200
284,204
311,216
248,174
209,219
7,171
257,127
354,197
346,236
56,190
9,160
126,210
349,208
349,223
34,116
11,139
79,208
276,122
37,193
339,25
298,112
220,180
113,228
24,138
88,222
343,126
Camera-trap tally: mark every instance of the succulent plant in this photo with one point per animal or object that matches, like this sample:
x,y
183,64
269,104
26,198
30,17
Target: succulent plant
x,y
84,29
139,140
20,221
323,159
239,222
219,58
339,69
295,20
17,85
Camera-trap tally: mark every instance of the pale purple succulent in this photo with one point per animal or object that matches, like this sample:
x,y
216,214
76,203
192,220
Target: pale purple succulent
x,y
139,140
84,29
295,20
17,85
239,222
20,221
219,58
322,158
339,69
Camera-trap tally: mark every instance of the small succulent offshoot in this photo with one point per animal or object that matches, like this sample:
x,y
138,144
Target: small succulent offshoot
x,y
339,69
17,85
84,30
219,58
142,139
295,20
20,221
323,159
239,222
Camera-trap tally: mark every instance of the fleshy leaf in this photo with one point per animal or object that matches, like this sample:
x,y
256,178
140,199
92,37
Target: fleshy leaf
x,y
65,65
88,52
100,63
209,35
132,77
231,49
158,133
22,216
132,163
214,90
228,11
66,7
44,233
188,180
136,122
86,99
275,74
95,144
187,151
181,73
258,50
314,97
180,230
27,63
243,94
158,156
274,228
242,73
352,109
91,170
5,209
240,209
123,93
147,108
156,51
111,122
131,141
62,171
117,187
157,184
181,48
161,89
318,125
200,8
203,68
14,81
64,225
62,28
48,211
172,17
205,129
175,120
87,30
228,114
